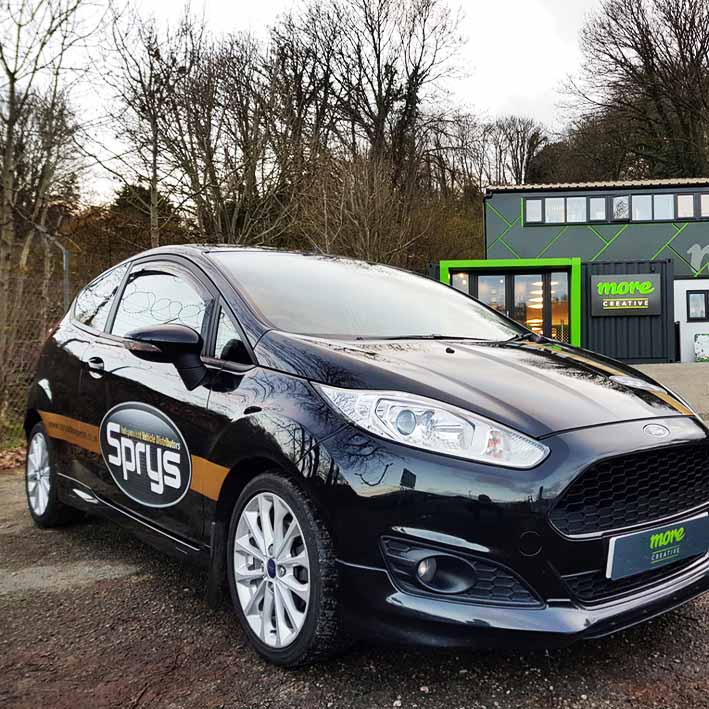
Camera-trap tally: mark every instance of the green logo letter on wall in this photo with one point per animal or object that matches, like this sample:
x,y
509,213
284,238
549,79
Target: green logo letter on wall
x,y
625,287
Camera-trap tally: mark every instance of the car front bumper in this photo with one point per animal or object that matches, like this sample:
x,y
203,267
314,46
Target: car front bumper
x,y
376,610
479,512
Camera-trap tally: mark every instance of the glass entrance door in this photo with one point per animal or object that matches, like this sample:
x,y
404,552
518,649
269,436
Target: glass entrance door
x,y
539,301
529,307
559,306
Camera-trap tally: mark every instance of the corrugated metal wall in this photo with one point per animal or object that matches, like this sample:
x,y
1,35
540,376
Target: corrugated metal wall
x,y
639,338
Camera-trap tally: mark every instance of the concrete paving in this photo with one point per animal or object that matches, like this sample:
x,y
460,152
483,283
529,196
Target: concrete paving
x,y
127,627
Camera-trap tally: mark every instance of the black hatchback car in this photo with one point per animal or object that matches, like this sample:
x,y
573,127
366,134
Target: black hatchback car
x,y
358,451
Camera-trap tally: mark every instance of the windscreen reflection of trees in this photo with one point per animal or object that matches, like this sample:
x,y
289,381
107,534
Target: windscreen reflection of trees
x,y
325,296
158,299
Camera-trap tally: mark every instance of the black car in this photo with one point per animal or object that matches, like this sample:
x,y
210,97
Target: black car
x,y
356,451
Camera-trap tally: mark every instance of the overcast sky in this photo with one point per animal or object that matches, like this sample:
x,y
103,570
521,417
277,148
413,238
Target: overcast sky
x,y
517,53
516,56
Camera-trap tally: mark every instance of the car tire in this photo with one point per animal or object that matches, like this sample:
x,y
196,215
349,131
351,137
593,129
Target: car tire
x,y
285,627
46,508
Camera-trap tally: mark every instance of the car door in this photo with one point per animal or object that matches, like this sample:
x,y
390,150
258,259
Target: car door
x,y
77,377
153,428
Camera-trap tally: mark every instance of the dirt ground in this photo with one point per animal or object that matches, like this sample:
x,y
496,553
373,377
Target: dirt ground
x,y
90,617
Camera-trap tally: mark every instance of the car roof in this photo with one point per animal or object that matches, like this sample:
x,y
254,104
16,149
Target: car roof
x,y
191,249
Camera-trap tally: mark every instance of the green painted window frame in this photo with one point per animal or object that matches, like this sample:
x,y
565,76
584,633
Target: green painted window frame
x,y
573,264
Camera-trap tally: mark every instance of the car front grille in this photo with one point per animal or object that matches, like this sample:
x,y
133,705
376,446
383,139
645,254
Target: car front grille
x,y
634,489
593,586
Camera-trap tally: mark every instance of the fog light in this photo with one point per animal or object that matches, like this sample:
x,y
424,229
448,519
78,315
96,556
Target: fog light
x,y
426,570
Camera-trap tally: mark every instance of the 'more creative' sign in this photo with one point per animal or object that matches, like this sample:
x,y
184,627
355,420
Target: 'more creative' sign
x,y
630,294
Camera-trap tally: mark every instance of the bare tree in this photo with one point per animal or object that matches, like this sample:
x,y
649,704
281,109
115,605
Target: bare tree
x,y
355,210
145,68
591,148
647,62
35,36
239,128
522,139
389,52
36,127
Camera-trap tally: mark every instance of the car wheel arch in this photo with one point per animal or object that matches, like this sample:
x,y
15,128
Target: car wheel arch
x,y
238,477
236,480
32,418
243,472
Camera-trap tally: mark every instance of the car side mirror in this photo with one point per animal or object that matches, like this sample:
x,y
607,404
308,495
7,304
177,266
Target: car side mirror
x,y
177,344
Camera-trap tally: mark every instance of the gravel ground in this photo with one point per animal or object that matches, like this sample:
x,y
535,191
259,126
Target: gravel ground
x,y
90,617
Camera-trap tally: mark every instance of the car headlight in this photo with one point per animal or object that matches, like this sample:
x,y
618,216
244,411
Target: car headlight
x,y
434,426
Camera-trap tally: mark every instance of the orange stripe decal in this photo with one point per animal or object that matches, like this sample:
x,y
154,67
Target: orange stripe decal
x,y
207,477
72,431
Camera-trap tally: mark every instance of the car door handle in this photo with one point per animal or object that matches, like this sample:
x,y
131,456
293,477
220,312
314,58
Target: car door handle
x,y
95,365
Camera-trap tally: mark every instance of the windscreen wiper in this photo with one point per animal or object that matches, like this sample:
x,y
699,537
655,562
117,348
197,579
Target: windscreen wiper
x,y
431,337
530,336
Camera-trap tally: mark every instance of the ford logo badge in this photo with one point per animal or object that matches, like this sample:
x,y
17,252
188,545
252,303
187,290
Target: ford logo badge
x,y
656,430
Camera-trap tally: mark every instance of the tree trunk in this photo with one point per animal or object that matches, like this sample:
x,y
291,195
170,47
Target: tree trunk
x,y
154,196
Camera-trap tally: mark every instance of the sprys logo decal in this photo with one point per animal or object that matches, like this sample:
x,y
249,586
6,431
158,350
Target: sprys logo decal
x,y
146,454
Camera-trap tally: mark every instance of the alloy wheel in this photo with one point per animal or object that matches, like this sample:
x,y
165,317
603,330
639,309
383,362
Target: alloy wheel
x,y
272,569
38,474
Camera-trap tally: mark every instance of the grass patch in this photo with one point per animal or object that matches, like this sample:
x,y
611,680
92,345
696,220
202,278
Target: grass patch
x,y
12,439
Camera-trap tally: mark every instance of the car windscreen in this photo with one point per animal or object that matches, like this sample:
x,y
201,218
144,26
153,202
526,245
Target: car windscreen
x,y
322,295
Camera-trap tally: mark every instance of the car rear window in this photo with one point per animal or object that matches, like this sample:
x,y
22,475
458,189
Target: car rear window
x,y
322,295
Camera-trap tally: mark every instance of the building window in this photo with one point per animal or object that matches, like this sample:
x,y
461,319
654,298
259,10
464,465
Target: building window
x,y
705,205
533,212
597,209
638,208
685,206
559,292
642,208
663,206
576,210
554,210
621,209
697,305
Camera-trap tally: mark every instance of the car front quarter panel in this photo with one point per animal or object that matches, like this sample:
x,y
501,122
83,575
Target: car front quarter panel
x,y
266,415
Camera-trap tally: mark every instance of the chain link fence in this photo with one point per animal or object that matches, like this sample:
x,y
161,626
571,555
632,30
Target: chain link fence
x,y
43,280
32,301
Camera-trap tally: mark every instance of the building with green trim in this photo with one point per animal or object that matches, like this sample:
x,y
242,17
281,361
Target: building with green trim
x,y
547,248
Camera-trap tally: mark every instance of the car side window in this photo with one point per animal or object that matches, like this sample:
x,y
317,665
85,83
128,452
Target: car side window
x,y
229,345
94,303
158,296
